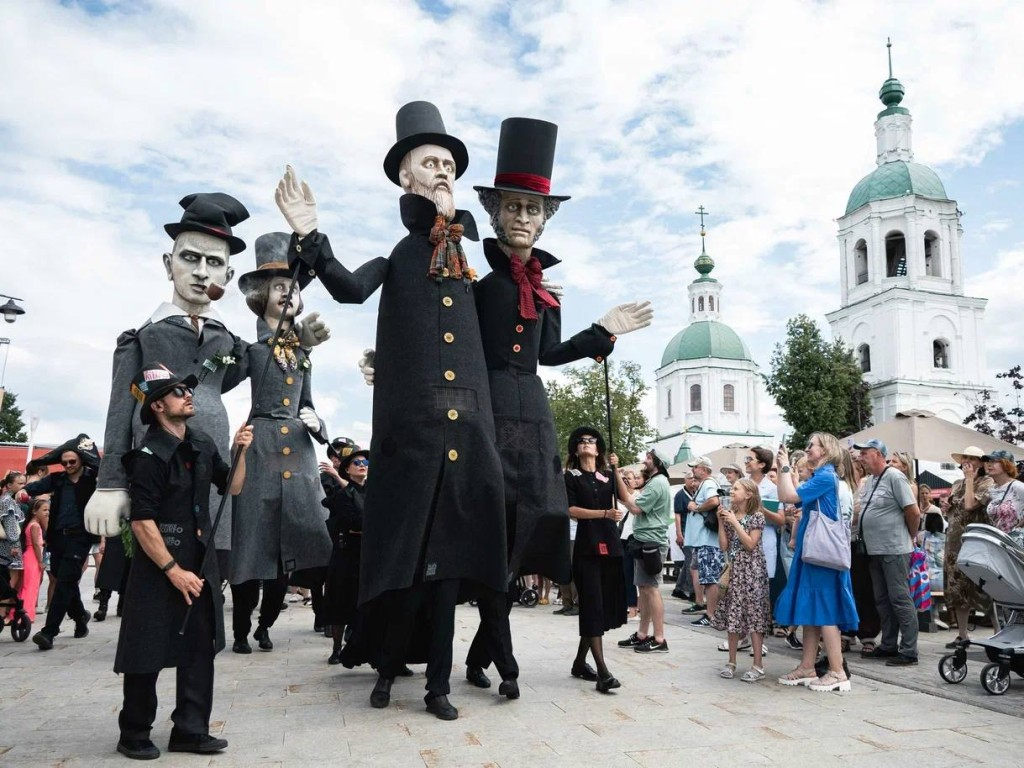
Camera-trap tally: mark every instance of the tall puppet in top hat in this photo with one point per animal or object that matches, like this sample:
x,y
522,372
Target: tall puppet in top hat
x,y
520,324
436,471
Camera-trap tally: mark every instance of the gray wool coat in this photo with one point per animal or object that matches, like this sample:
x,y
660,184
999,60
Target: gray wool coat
x,y
173,342
279,521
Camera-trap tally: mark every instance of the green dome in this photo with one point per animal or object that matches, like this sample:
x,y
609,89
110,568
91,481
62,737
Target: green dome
x,y
706,338
896,179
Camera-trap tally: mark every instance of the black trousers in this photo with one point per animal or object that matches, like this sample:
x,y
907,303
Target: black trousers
x,y
66,563
493,639
405,605
246,595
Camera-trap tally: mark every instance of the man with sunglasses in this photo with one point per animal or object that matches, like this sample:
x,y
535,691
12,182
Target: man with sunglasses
x,y
66,538
170,476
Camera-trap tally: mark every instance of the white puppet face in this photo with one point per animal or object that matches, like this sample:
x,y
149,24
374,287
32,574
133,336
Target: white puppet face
x,y
277,306
429,171
521,218
197,261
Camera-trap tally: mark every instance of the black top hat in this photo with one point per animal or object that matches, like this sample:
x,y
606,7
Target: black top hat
x,y
526,155
83,445
574,439
345,449
271,261
153,381
213,213
416,124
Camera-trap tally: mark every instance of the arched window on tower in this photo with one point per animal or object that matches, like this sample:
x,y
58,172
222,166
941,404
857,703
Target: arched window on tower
x,y
668,402
693,305
700,304
932,262
864,357
729,398
940,353
695,397
895,255
860,261
711,303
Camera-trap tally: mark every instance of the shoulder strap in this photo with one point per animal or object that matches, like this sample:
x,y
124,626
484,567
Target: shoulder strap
x,y
860,522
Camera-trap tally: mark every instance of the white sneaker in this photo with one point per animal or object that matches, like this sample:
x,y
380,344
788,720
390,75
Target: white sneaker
x,y
744,644
764,650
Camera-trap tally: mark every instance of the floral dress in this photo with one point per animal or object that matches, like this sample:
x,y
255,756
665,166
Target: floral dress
x,y
745,607
961,594
1006,509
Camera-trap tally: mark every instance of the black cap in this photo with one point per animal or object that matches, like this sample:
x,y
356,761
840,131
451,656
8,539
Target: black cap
x,y
345,449
153,381
416,124
526,155
212,213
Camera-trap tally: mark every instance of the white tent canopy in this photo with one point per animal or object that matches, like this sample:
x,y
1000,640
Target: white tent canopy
x,y
930,438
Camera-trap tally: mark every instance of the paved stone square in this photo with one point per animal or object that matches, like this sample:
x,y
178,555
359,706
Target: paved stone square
x,y
289,708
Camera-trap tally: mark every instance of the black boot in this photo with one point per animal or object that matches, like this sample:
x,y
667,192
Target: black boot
x,y
262,637
101,612
381,695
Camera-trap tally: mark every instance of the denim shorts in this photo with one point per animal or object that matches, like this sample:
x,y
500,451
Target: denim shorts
x,y
710,564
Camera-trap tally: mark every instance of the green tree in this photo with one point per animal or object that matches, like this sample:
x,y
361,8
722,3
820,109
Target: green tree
x,y
991,418
580,402
12,428
818,384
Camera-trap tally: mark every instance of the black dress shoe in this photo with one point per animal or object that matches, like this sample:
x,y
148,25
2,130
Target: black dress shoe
x,y
43,640
477,677
878,653
101,612
335,657
899,660
200,743
606,684
441,708
584,672
138,749
509,689
318,626
82,626
241,646
262,637
381,695
405,672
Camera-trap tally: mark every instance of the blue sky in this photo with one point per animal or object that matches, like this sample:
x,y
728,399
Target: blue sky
x,y
762,112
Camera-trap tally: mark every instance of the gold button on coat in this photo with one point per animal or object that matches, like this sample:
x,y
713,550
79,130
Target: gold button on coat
x,y
284,430
286,450
449,375
286,401
453,455
447,301
453,414
289,380
449,337
286,474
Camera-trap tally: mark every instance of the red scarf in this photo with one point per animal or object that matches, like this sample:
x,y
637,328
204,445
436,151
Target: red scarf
x,y
527,277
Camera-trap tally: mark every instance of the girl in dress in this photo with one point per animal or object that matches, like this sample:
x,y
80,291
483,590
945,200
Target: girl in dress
x,y
745,609
32,547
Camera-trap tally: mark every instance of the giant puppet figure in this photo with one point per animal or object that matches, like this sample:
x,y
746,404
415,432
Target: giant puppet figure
x,y
279,526
434,513
189,336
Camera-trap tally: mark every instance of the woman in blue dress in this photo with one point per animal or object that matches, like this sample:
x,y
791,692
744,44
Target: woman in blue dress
x,y
817,598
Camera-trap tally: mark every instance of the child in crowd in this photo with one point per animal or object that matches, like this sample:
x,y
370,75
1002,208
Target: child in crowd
x,y
745,607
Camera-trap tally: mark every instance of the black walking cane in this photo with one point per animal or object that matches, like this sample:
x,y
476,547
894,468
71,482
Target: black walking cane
x,y
236,454
608,421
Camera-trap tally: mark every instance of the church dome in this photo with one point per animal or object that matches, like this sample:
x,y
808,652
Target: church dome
x,y
895,179
706,338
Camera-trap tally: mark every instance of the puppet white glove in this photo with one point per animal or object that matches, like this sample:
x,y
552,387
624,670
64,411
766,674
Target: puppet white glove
x,y
312,330
105,511
366,366
296,201
308,417
626,318
553,288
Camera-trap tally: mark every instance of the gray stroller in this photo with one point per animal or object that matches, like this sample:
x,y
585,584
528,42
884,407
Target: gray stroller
x,y
995,562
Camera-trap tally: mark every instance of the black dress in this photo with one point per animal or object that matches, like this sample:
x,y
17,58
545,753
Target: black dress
x,y
597,556
346,528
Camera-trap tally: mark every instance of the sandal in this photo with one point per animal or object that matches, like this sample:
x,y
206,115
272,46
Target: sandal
x,y
867,646
845,644
799,676
780,632
830,681
728,671
753,674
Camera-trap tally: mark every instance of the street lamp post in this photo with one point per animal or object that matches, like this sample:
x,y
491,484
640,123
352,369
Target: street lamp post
x,y
11,310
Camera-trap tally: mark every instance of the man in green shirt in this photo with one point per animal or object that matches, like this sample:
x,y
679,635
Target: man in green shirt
x,y
652,511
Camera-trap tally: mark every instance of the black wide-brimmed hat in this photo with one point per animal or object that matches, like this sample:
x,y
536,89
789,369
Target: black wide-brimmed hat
x,y
416,124
153,381
345,449
212,213
526,155
83,445
271,261
574,439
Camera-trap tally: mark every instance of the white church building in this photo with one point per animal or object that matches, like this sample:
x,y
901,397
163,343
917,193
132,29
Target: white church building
x,y
919,340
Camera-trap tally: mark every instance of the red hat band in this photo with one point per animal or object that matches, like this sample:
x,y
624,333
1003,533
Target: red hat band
x,y
530,181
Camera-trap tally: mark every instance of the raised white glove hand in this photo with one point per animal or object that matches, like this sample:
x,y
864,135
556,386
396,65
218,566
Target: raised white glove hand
x,y
308,417
366,366
296,202
553,288
105,511
627,318
312,330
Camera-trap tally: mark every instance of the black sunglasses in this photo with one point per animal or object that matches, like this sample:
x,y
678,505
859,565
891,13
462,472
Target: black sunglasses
x,y
180,391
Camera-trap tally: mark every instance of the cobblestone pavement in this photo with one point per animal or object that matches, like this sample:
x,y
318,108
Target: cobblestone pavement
x,y
288,707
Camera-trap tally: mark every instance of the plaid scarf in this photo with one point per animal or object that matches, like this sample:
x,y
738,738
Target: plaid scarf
x,y
528,276
448,258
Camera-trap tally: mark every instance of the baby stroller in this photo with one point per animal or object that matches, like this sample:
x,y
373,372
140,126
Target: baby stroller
x,y
19,622
525,595
995,562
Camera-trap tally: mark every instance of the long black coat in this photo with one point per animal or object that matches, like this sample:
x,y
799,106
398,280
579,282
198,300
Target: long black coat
x,y
536,506
435,508
169,483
